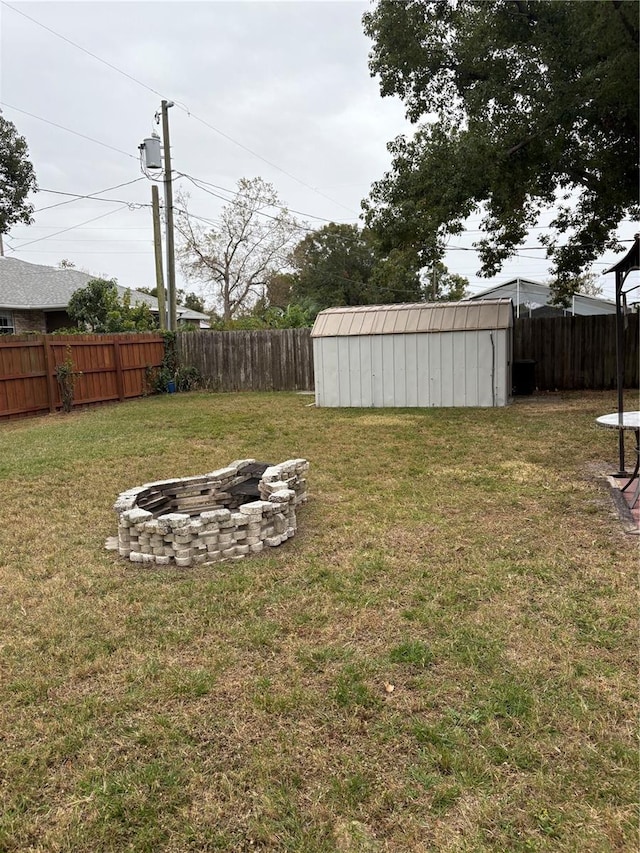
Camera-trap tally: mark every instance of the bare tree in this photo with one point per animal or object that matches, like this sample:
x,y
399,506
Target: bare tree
x,y
239,257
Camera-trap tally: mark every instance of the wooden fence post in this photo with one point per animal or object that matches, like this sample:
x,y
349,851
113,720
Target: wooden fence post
x,y
118,363
50,367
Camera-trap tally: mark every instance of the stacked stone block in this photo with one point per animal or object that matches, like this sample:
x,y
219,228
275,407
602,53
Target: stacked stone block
x,y
205,530
287,475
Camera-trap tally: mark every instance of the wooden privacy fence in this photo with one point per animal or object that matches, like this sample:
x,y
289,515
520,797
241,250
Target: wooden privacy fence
x,y
577,352
261,360
107,367
570,353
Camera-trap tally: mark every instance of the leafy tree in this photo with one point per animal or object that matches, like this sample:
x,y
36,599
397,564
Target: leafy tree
x,y
240,256
99,308
333,266
440,285
525,105
131,318
153,291
396,276
341,264
187,300
90,305
193,302
17,178
292,317
279,291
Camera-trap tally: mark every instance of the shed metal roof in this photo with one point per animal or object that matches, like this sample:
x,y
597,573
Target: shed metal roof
x,y
412,318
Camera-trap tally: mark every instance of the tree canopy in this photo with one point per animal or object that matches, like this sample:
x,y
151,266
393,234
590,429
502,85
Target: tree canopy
x,y
524,106
333,266
340,264
441,285
17,177
99,308
187,300
238,257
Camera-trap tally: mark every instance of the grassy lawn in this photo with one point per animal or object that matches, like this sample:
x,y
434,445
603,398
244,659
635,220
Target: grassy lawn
x,y
442,659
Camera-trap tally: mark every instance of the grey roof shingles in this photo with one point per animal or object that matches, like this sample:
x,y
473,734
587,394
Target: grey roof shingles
x,y
32,287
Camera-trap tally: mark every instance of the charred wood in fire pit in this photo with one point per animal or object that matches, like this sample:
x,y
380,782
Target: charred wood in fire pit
x,y
250,487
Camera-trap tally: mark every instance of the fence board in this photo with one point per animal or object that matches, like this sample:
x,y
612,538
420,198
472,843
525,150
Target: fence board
x,y
577,352
256,360
570,353
28,383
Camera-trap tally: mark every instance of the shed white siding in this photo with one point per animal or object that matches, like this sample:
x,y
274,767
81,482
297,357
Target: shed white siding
x,y
470,367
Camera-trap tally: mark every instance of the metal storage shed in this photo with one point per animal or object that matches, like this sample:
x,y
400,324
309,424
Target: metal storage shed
x,y
423,354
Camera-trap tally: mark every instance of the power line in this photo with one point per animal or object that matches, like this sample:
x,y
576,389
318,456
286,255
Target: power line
x,y
195,216
132,205
236,193
197,181
68,129
64,230
257,212
92,196
264,159
96,228
80,252
148,240
79,47
518,253
180,106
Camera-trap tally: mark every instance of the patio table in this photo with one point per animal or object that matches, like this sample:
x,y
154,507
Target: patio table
x,y
628,421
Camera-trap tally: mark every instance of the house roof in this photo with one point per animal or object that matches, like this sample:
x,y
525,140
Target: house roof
x,y
526,290
32,287
412,318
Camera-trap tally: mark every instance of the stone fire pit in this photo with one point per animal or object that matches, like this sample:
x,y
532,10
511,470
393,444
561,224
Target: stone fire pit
x,y
212,517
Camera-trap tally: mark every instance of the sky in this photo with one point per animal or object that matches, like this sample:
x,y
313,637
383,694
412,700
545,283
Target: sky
x,y
277,90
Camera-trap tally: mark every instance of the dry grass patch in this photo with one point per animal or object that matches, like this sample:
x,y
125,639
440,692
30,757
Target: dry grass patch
x,y
441,659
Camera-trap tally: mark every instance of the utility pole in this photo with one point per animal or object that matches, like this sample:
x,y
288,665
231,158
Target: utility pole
x,y
157,244
168,211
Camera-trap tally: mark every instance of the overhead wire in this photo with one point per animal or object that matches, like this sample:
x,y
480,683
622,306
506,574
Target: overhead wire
x,y
92,196
71,227
198,181
79,47
90,228
91,240
264,160
296,226
68,129
180,106
80,252
185,109
132,205
137,205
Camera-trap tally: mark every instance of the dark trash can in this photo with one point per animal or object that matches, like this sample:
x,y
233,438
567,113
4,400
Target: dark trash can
x,y
524,377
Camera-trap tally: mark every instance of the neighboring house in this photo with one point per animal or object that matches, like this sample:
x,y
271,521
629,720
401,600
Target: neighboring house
x,y
533,299
34,298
